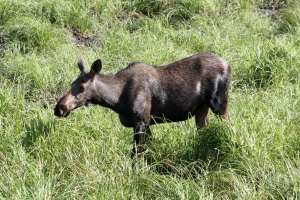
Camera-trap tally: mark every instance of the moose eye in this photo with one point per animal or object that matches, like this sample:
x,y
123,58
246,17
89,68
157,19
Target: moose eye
x,y
81,88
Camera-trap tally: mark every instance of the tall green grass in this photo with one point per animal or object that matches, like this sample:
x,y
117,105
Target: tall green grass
x,y
87,155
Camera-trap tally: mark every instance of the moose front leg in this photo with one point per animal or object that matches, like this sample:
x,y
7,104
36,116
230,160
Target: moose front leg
x,y
142,138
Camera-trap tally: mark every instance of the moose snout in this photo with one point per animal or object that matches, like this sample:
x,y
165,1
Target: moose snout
x,y
61,111
58,111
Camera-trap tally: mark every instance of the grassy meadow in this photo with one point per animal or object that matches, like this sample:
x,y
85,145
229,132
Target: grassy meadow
x,y
87,155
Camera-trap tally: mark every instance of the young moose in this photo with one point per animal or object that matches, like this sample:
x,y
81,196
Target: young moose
x,y
144,94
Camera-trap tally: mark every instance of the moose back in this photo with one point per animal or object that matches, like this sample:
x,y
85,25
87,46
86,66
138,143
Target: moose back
x,y
144,94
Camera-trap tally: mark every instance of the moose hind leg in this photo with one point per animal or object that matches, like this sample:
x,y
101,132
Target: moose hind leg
x,y
142,138
218,97
202,117
219,105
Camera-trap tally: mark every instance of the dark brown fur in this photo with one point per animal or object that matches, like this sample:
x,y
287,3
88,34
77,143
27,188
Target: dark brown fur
x,y
144,94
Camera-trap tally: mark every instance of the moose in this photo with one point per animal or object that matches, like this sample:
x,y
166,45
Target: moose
x,y
144,94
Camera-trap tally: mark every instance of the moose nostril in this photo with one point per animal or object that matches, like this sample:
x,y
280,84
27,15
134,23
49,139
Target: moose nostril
x,y
58,111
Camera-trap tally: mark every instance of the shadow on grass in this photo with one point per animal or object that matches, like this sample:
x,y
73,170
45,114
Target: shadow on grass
x,y
35,130
203,151
207,145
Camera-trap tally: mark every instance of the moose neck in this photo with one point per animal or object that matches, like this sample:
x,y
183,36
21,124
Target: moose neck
x,y
107,90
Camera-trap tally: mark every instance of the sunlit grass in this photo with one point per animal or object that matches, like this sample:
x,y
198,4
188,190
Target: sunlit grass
x,y
87,155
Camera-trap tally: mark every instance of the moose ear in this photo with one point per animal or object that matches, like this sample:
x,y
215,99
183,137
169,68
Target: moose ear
x,y
81,64
96,67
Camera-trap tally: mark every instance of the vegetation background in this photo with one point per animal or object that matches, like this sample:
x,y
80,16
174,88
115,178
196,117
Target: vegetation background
x,y
87,155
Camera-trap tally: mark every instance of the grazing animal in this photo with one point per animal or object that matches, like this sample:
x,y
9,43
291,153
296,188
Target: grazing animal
x,y
144,94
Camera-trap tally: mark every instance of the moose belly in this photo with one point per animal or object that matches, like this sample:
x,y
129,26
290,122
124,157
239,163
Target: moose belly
x,y
158,118
171,115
